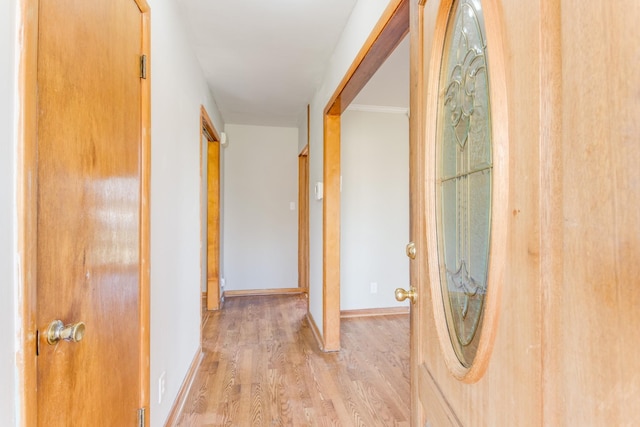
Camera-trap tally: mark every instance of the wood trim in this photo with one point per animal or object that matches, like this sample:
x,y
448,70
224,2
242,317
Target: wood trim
x,y
212,200
389,31
417,269
208,124
374,312
331,234
145,218
303,219
26,192
178,404
262,292
213,225
314,330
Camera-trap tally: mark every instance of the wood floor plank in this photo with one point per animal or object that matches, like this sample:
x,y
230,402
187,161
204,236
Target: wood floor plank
x,y
262,367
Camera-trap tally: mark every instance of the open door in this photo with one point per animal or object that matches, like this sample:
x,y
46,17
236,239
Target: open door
x,y
525,212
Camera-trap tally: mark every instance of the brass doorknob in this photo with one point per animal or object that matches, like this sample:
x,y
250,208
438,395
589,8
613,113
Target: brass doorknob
x,y
411,250
58,331
402,295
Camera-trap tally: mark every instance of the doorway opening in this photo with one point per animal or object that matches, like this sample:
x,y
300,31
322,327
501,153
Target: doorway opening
x,y
388,33
209,213
303,219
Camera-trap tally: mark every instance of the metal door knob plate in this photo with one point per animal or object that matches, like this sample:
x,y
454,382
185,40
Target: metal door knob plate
x,y
411,250
402,295
57,331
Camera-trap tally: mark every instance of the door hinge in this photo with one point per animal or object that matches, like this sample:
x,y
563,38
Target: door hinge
x,y
143,66
37,342
141,417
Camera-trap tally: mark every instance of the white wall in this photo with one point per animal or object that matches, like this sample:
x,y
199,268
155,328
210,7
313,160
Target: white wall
x,y
178,90
363,18
374,208
8,276
260,240
302,131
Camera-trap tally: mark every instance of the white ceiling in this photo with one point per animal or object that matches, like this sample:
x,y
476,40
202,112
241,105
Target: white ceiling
x,y
263,59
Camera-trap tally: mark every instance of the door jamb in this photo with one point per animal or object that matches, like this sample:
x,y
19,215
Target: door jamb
x,y
26,208
388,32
303,211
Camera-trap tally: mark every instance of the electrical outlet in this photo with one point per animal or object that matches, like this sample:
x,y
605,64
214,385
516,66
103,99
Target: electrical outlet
x,y
373,287
161,386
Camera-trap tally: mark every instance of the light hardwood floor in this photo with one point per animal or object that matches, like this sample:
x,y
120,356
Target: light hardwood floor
x,y
262,367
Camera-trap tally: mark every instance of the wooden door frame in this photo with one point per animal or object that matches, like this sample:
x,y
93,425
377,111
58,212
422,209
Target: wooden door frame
x,y
26,206
417,227
388,32
303,218
207,129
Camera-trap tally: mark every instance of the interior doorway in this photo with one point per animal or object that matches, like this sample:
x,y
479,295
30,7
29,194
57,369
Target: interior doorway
x,y
390,30
374,205
210,212
303,219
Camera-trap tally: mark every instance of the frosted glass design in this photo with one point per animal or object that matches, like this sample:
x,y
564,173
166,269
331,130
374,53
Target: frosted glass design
x,y
464,176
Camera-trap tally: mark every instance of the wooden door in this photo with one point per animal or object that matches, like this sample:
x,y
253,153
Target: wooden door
x,y
91,212
590,219
566,218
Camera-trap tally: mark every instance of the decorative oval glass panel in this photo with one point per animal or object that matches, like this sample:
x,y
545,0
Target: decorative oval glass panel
x,y
464,177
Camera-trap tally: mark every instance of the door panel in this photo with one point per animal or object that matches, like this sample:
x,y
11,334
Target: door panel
x,y
591,321
567,311
509,391
89,201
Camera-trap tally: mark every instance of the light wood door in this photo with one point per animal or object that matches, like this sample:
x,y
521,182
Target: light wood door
x,y
567,107
90,185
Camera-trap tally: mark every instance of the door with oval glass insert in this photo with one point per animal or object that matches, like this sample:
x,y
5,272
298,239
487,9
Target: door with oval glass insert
x,y
525,211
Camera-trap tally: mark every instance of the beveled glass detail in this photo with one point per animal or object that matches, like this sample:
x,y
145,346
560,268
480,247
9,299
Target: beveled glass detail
x,y
464,176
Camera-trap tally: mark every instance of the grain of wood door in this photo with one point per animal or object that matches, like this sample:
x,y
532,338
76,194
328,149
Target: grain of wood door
x,y
564,108
90,180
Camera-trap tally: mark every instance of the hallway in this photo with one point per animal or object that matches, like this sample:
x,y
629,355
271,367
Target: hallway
x,y
262,367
